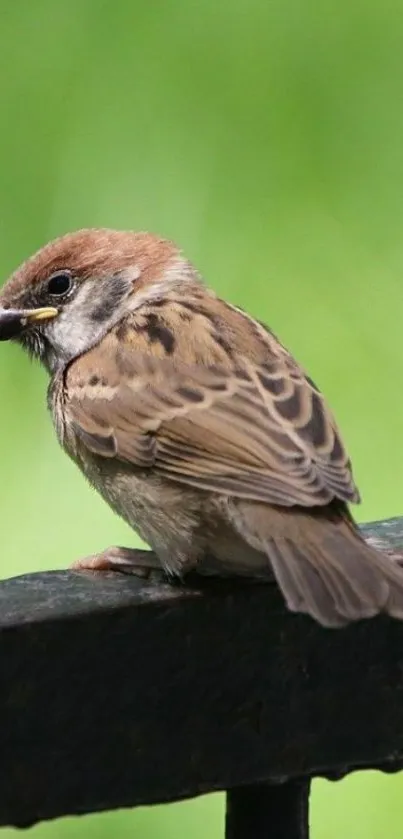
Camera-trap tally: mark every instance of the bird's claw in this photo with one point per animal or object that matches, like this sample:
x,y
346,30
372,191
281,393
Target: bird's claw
x,y
142,564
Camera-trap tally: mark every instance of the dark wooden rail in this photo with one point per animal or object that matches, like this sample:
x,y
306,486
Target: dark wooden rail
x,y
114,694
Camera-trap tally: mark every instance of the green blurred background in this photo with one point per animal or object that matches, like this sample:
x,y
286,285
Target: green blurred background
x,y
266,137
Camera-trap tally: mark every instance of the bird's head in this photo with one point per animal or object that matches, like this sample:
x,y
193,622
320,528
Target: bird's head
x,y
67,296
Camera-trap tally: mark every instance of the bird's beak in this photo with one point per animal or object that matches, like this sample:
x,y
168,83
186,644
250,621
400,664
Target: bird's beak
x,y
14,321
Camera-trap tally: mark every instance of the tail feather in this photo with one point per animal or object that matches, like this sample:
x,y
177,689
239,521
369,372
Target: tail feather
x,y
302,586
321,584
322,564
363,585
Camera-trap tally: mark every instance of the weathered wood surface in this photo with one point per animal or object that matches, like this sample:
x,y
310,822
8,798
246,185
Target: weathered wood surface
x,y
114,693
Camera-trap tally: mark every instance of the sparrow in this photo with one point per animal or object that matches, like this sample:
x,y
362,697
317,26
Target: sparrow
x,y
195,424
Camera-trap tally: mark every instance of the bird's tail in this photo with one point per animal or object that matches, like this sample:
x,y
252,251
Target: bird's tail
x,y
323,565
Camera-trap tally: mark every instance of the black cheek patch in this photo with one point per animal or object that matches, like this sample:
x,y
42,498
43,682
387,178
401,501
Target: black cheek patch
x,y
114,290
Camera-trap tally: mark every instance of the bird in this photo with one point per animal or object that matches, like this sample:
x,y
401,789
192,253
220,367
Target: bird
x,y
196,426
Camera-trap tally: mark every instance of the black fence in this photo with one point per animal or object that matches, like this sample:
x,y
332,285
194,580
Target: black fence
x,y
115,694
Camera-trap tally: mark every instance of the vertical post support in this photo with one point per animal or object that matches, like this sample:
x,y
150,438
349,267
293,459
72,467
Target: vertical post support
x,y
268,811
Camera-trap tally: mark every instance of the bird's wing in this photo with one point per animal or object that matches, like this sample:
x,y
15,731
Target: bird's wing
x,y
261,432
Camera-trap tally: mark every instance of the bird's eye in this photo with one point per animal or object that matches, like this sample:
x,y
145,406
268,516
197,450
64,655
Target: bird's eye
x,y
59,284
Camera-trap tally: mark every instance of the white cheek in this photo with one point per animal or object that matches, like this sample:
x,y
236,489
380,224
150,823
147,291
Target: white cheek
x,y
74,331
68,338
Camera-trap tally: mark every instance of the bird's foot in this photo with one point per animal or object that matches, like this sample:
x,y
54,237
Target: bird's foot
x,y
126,560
